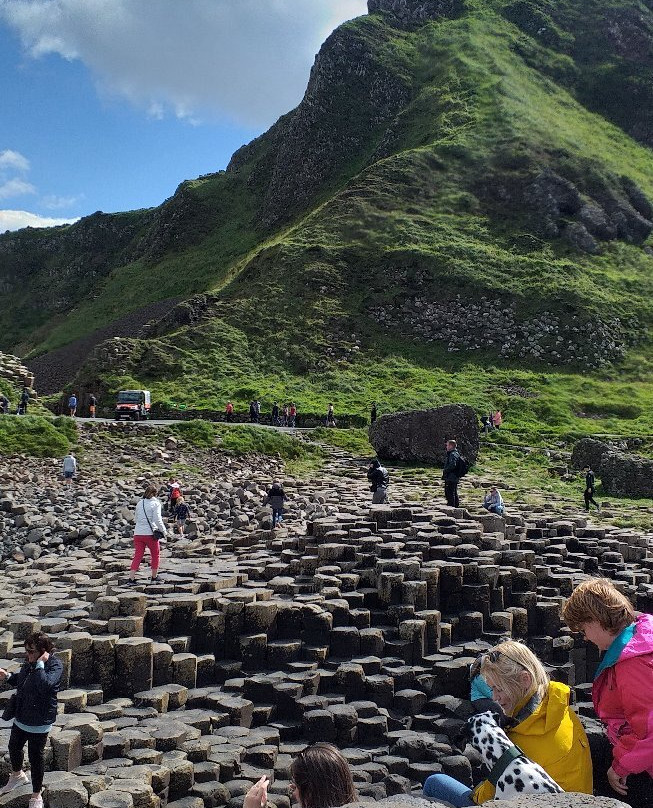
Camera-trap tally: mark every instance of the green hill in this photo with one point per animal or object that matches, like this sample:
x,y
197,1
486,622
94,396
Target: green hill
x,y
458,209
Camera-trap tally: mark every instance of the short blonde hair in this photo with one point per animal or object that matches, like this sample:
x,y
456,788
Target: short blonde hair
x,y
598,599
506,662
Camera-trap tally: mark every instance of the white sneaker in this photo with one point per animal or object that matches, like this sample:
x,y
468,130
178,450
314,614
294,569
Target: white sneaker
x,y
36,802
15,781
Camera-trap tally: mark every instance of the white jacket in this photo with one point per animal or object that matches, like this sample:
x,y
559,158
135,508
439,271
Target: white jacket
x,y
148,509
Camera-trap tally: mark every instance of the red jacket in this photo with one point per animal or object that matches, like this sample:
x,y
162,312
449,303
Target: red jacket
x,y
623,697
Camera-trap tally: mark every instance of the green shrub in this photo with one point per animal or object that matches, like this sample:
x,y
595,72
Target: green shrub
x,y
37,436
354,441
242,440
199,433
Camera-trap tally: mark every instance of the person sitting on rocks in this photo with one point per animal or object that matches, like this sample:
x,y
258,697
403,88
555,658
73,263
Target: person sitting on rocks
x,y
37,684
379,480
548,731
622,691
275,498
320,778
493,501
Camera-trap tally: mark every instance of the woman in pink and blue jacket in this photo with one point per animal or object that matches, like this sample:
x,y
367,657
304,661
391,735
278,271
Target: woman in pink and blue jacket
x,y
623,683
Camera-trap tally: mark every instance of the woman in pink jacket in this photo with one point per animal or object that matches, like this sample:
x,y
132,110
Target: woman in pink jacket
x,y
623,683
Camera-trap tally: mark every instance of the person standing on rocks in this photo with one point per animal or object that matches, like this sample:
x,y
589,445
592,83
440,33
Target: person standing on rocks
x,y
379,480
72,405
69,468
622,691
37,684
148,532
588,494
182,512
275,498
92,406
450,474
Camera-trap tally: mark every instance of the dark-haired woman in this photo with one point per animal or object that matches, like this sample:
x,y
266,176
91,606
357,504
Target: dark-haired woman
x,y
148,519
37,684
321,778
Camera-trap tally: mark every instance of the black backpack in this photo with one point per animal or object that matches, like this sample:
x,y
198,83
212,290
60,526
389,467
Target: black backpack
x,y
462,466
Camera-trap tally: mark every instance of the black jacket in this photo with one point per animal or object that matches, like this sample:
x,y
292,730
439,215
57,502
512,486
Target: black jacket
x,y
275,498
36,692
590,480
379,477
451,465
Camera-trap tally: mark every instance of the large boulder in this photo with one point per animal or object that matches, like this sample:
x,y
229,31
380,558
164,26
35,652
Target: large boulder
x,y
589,452
627,475
420,435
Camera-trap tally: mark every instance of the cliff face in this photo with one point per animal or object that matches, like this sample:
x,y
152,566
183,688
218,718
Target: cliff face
x,y
446,153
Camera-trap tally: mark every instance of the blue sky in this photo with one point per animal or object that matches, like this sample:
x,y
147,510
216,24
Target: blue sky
x,y
110,104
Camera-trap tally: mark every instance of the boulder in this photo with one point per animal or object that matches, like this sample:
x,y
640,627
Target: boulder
x,y
589,452
627,475
421,435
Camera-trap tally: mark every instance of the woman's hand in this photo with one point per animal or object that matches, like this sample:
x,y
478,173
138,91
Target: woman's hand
x,y
617,783
44,657
257,796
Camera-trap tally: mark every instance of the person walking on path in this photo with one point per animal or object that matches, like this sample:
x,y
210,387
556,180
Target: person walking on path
x,y
275,498
493,501
92,406
182,512
286,410
275,414
379,480
546,729
622,690
373,413
37,684
450,474
69,468
4,404
292,414
72,405
148,531
229,412
252,412
588,494
330,416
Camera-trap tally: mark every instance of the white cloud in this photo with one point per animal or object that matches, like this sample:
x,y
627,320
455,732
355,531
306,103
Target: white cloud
x,y
15,219
13,160
15,187
54,202
247,60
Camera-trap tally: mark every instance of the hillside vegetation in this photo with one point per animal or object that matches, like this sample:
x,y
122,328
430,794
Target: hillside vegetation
x,y
465,216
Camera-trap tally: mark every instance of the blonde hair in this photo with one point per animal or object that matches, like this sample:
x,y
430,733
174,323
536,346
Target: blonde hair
x,y
598,600
506,662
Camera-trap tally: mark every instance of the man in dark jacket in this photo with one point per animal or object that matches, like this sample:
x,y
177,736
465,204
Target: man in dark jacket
x,y
588,494
275,498
37,684
379,479
450,474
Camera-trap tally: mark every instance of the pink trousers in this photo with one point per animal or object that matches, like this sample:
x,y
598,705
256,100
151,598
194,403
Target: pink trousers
x,y
140,543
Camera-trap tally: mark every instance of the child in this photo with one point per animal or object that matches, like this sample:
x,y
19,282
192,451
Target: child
x,y
622,691
182,512
275,498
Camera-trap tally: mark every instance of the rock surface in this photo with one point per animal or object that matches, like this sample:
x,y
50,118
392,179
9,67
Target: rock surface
x,y
420,435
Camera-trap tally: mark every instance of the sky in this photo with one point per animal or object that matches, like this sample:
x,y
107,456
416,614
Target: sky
x,y
110,104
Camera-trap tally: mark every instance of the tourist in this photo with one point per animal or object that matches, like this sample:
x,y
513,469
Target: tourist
x,y
4,404
588,494
72,405
548,731
497,419
182,512
379,479
275,414
148,531
252,412
23,402
292,414
92,406
320,778
284,420
622,691
493,501
330,416
173,494
36,683
69,468
229,412
373,413
450,474
485,423
275,497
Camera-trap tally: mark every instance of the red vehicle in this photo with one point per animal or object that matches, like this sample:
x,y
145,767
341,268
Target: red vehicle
x,y
133,405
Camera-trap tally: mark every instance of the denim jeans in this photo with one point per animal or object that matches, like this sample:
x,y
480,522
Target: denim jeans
x,y
443,787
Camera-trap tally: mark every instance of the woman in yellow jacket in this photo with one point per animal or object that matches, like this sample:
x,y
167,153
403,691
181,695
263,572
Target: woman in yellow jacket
x,y
548,732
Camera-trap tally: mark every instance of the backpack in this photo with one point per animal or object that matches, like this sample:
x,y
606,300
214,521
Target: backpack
x,y
462,466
